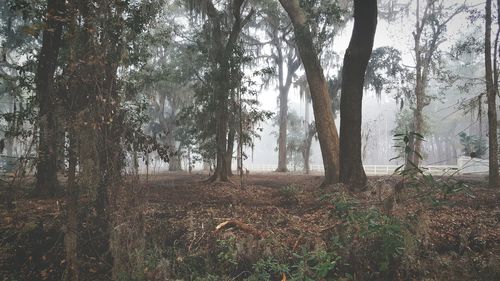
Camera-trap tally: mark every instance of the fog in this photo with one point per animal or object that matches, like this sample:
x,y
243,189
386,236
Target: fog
x,y
379,113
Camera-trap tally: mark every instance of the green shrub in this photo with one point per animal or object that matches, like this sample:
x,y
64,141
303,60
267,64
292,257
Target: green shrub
x,y
289,191
374,242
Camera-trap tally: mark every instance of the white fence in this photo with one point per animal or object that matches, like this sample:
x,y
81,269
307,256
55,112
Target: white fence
x,y
372,170
465,165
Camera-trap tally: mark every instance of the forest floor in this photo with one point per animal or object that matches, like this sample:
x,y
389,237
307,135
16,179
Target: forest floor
x,y
275,227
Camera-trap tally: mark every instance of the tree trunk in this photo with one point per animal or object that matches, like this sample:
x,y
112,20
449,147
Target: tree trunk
x,y
356,60
175,164
494,180
46,179
230,149
220,173
283,120
284,88
70,237
421,68
306,146
325,125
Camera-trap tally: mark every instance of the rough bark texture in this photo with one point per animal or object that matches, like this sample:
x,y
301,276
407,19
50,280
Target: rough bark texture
x,y
353,72
325,125
70,237
46,179
494,180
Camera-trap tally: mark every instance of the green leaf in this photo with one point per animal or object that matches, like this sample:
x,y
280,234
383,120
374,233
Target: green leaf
x,y
418,135
399,168
415,166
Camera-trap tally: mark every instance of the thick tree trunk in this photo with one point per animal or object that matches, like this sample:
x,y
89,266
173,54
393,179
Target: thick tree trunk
x,y
325,125
494,179
175,163
353,73
220,173
46,179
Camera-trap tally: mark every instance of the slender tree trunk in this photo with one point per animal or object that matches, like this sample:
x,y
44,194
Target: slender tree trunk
x,y
9,140
356,60
420,87
325,125
284,88
283,120
306,147
494,180
230,148
70,238
46,179
439,150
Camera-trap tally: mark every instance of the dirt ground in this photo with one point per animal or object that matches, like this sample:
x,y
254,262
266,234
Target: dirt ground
x,y
274,221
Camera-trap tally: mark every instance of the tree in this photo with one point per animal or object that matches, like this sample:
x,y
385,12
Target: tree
x,y
427,36
221,50
46,179
325,125
284,56
491,91
308,128
353,73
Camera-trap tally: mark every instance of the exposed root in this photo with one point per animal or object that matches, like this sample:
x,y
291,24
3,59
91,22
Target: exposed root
x,y
240,225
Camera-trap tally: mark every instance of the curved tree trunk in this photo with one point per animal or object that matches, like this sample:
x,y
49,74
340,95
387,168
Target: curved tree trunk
x,y
325,125
306,146
46,179
353,72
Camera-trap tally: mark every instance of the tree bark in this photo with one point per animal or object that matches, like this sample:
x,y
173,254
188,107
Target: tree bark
x,y
230,148
283,120
306,146
46,179
494,180
70,237
353,73
325,125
